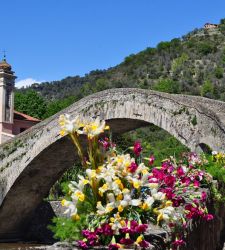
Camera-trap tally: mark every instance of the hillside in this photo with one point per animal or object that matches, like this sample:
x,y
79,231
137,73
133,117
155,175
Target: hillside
x,y
193,64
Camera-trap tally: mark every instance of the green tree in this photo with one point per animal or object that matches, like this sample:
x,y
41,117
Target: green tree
x,y
30,103
168,86
219,72
207,89
205,48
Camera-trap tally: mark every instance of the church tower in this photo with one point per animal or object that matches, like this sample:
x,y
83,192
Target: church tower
x,y
7,83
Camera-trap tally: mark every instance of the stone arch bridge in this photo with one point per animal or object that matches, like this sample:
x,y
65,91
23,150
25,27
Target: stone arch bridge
x,y
32,162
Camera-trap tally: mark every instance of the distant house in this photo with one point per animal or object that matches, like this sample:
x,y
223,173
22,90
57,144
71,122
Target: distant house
x,y
210,26
11,122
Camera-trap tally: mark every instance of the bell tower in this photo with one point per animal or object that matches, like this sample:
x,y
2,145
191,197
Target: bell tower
x,y
7,83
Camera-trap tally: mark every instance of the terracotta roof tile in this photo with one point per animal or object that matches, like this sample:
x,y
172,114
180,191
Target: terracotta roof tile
x,y
25,117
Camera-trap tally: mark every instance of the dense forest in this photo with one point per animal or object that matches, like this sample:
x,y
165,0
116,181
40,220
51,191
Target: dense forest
x,y
193,64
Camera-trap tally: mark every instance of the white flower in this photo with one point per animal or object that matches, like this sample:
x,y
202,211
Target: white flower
x,y
94,128
159,196
69,125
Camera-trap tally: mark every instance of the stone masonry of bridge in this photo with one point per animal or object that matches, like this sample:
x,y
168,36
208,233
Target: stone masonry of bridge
x,y
32,162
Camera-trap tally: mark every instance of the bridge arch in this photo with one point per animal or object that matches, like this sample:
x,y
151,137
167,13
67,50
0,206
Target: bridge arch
x,y
34,160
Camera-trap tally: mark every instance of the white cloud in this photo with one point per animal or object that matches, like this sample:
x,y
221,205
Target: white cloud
x,y
26,82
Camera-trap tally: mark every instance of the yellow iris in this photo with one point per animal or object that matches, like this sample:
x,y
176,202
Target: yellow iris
x,y
119,197
63,202
75,217
80,195
136,184
139,239
159,217
145,206
120,208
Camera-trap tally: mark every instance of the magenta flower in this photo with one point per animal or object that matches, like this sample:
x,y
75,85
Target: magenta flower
x,y
137,148
203,196
133,167
208,217
82,244
144,244
114,246
178,242
169,193
151,160
126,241
196,183
141,228
170,180
107,230
180,171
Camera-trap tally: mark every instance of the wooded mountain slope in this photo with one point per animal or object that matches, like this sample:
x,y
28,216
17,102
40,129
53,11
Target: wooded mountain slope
x,y
193,64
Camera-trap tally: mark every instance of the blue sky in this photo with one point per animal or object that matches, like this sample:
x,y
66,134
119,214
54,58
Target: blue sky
x,y
52,39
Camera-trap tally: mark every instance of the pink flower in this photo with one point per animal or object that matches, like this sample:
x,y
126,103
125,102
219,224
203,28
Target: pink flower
x,y
137,148
178,243
133,167
141,228
169,192
170,180
114,246
180,171
126,241
107,230
203,196
151,160
208,217
144,244
196,183
177,201
82,244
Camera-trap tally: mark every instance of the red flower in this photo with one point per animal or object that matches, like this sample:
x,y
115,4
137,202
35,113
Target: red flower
x,y
137,148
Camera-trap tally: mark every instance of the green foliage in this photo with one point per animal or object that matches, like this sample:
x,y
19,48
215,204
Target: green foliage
x,y
30,103
194,120
66,229
205,48
219,72
155,141
179,62
207,89
168,86
163,46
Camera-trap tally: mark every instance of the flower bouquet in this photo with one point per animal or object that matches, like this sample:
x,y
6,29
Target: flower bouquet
x,y
125,192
